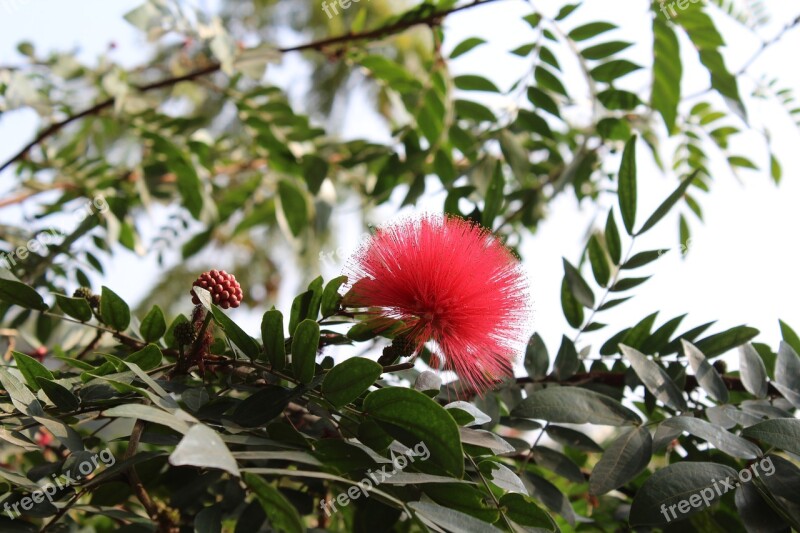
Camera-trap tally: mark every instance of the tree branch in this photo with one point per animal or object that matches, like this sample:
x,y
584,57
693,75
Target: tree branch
x,y
432,19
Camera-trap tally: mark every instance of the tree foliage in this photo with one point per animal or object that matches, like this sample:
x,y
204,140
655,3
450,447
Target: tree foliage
x,y
214,427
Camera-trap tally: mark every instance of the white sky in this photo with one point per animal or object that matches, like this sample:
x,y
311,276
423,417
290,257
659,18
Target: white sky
x,y
743,263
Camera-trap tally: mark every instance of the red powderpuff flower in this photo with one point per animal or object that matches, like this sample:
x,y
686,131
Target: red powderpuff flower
x,y
451,282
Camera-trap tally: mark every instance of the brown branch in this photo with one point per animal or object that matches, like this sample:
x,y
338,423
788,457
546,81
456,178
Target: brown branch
x,y
390,29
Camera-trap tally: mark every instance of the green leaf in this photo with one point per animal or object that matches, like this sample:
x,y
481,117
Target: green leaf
x,y
201,446
655,379
77,308
469,82
720,343
147,358
567,362
567,10
19,294
604,50
721,439
282,515
305,343
573,439
262,407
667,73
789,335
704,35
348,380
465,46
58,394
547,80
577,285
597,257
411,417
331,299
114,311
494,197
154,325
616,100
524,510
573,311
450,520
706,374
240,338
573,405
753,371
293,206
627,185
148,413
671,200
623,460
302,307
468,109
642,258
670,486
613,242
537,359
30,369
612,70
272,337
628,284
783,433
587,31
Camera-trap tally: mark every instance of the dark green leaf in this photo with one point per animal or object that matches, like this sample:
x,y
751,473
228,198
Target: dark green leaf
x,y
671,200
655,379
587,31
642,258
154,325
523,510
604,50
707,375
331,299
597,257
577,285
623,460
573,311
783,433
17,293
612,70
670,486
30,369
469,82
667,73
721,439
348,380
613,242
419,419
627,185
77,308
573,405
720,343
305,342
293,206
465,46
567,362
114,310
147,358
754,374
240,338
58,394
537,360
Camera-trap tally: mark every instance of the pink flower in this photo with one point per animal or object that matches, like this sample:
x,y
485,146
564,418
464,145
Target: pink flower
x,y
451,282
